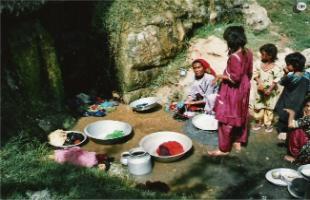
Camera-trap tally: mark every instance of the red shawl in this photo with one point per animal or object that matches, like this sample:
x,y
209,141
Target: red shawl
x,y
206,66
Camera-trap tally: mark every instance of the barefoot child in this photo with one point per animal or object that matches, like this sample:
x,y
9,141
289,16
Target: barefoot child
x,y
232,103
296,87
299,136
266,76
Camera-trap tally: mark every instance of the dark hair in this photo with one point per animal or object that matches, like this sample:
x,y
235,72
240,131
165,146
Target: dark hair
x,y
307,99
271,50
235,38
297,60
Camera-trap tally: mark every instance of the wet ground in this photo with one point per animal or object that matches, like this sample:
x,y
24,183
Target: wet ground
x,y
239,175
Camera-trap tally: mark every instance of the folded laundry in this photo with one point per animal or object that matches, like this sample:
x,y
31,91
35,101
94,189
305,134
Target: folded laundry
x,y
76,156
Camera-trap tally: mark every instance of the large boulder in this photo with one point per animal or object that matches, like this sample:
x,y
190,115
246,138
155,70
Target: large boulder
x,y
306,53
144,35
256,16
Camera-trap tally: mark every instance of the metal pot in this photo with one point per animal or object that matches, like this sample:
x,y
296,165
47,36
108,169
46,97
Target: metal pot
x,y
138,161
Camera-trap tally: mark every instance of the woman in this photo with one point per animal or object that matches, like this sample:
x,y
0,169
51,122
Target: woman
x,y
202,93
231,106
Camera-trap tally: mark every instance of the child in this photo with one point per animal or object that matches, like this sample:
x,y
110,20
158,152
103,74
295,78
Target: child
x,y
296,87
232,103
299,137
266,75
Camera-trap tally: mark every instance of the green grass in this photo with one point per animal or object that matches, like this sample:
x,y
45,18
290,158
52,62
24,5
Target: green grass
x,y
296,26
170,74
26,169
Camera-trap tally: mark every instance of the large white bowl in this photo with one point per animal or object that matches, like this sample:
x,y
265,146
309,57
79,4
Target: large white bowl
x,y
151,142
205,122
148,103
100,129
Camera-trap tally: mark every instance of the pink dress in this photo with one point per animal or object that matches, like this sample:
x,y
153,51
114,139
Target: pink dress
x,y
232,103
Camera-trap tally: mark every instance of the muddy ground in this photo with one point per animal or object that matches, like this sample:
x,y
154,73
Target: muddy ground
x,y
239,175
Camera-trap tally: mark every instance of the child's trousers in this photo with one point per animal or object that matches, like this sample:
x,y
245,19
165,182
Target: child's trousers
x,y
264,115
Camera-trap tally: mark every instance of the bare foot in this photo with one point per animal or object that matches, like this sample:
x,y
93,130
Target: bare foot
x,y
289,158
216,153
237,146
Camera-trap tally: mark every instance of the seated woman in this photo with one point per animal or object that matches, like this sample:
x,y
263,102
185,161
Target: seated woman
x,y
299,136
203,92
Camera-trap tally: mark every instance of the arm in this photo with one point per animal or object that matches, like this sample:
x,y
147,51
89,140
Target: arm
x,y
277,74
234,69
232,72
269,90
291,116
285,79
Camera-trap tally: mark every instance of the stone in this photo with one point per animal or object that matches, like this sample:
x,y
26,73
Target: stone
x,y
145,36
256,16
150,35
306,53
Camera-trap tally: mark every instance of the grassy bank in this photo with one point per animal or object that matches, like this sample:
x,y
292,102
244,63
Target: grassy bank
x,y
26,169
296,26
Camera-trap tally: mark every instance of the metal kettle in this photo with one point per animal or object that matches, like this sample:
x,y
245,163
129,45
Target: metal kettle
x,y
138,161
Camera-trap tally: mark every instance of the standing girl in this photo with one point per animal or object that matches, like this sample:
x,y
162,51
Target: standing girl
x,y
267,75
231,106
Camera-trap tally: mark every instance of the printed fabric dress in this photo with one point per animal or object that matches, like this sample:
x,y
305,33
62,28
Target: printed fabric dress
x,y
268,76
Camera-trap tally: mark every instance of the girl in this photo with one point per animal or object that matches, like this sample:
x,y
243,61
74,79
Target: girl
x,y
267,75
231,106
299,137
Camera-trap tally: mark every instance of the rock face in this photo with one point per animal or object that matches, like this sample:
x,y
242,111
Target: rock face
x,y
144,35
256,16
306,53
37,69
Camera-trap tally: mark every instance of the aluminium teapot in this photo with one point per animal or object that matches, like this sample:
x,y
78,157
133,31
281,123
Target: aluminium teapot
x,y
138,161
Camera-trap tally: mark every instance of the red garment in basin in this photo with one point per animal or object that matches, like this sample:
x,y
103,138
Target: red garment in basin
x,y
170,148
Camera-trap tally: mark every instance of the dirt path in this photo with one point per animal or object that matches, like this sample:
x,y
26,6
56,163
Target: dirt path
x,y
236,176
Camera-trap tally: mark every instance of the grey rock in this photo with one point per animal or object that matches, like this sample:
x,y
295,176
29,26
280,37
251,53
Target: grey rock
x,y
256,16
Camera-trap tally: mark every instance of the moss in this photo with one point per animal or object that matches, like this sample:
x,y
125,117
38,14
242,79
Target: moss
x,y
51,65
25,57
37,93
35,60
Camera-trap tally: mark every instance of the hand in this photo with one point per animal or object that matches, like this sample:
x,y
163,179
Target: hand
x,y
285,70
260,88
291,125
188,103
216,79
289,111
267,92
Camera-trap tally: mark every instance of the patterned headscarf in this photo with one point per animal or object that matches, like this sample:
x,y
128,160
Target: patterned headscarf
x,y
206,66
